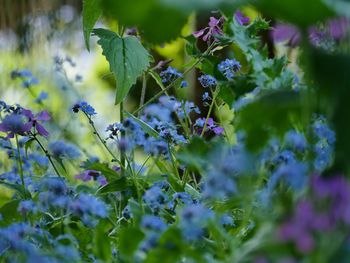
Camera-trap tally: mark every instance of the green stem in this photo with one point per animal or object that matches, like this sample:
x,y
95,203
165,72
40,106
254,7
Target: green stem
x,y
143,91
47,155
20,166
168,87
209,111
122,154
91,122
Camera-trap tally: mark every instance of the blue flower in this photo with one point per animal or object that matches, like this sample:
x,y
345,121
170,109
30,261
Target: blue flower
x,y
207,81
84,107
88,208
155,198
194,219
170,75
27,206
61,149
153,223
296,140
42,96
229,67
14,124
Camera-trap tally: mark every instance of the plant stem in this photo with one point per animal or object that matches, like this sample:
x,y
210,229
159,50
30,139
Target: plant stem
x,y
91,122
47,155
20,166
209,112
168,87
122,135
143,91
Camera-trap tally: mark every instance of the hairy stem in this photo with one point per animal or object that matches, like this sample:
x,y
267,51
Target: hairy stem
x,y
47,155
19,162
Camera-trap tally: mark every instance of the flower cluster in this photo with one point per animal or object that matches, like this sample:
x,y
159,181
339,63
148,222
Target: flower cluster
x,y
170,75
85,108
207,81
229,67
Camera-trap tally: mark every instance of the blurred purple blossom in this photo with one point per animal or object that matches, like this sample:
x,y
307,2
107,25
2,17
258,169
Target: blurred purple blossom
x,y
34,121
327,208
214,28
241,19
89,175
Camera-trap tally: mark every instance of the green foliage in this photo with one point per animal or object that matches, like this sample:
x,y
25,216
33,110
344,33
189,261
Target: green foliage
x,y
147,128
332,71
299,12
102,243
113,186
129,239
272,113
127,59
91,12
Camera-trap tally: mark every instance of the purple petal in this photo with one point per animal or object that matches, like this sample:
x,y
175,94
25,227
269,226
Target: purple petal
x,y
10,135
27,127
43,116
28,113
210,122
241,19
213,21
102,180
198,33
3,127
288,33
84,176
41,130
218,130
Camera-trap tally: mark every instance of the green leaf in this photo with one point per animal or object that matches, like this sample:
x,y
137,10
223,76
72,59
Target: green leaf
x,y
91,12
331,73
127,59
157,22
109,173
146,128
129,240
299,12
102,244
114,186
9,213
18,188
27,145
195,153
272,113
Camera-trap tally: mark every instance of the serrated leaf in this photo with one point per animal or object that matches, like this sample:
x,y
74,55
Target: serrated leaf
x,y
91,12
146,128
127,59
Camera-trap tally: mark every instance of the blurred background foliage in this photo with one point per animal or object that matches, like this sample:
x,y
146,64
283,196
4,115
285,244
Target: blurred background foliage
x,y
47,37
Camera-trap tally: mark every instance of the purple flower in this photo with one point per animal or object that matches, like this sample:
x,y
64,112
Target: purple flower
x,y
211,126
14,124
241,19
33,121
338,27
89,175
288,33
213,29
